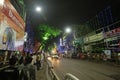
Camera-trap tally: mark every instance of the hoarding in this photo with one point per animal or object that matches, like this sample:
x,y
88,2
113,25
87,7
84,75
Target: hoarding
x,y
93,38
11,27
113,32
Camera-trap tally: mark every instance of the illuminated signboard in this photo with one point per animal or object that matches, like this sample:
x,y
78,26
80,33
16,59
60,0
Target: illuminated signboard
x,y
93,38
12,27
113,32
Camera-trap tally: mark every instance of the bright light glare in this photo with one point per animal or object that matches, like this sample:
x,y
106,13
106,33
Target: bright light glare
x,y
1,2
25,39
49,58
19,43
58,61
53,51
38,9
68,30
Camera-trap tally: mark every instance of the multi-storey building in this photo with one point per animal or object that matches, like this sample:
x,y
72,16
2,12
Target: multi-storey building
x,y
21,7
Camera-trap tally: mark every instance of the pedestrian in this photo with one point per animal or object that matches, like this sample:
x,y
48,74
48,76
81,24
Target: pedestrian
x,y
11,72
20,67
29,70
38,61
42,59
34,59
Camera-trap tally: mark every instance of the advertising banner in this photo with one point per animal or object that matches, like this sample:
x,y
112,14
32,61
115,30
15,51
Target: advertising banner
x,y
93,38
113,32
11,27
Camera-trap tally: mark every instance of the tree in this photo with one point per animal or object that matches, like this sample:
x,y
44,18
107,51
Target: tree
x,y
46,34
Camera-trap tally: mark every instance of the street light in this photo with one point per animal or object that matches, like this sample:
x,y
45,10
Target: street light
x,y
68,30
27,40
38,9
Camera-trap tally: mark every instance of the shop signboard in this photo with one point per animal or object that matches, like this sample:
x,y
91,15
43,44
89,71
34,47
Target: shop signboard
x,y
110,39
93,38
113,32
108,54
11,26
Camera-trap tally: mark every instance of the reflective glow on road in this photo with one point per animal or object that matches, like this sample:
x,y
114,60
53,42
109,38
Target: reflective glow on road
x,y
55,62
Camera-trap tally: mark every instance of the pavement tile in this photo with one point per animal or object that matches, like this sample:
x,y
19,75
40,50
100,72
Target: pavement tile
x,y
41,74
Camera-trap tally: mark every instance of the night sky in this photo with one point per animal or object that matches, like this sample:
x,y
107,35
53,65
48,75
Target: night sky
x,y
62,13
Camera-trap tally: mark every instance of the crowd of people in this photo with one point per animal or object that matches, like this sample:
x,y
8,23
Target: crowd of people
x,y
22,67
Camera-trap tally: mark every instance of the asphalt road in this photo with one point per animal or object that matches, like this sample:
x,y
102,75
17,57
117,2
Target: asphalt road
x,y
86,70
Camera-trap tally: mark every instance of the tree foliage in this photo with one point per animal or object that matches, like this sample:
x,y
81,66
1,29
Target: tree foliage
x,y
46,34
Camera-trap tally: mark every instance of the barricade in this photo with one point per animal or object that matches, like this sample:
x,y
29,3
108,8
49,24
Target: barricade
x,y
2,66
69,76
53,76
50,72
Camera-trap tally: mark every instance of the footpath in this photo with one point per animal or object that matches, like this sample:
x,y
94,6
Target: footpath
x,y
41,74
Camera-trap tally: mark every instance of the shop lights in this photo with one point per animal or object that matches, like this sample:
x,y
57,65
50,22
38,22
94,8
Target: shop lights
x,y
1,2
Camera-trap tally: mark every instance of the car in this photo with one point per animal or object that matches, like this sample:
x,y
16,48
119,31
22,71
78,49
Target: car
x,y
54,56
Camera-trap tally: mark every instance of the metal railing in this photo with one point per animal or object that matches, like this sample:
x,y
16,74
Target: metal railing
x,y
53,76
2,65
51,73
69,76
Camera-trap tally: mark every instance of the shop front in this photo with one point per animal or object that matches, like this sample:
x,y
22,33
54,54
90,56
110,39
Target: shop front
x,y
112,41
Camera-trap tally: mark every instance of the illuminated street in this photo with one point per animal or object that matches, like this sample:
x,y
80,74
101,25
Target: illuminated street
x,y
86,70
81,38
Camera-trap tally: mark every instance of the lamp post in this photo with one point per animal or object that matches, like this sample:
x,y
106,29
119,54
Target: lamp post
x,y
27,40
72,31
66,41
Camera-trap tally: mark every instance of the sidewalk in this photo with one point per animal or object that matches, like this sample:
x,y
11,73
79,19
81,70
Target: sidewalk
x,y
41,74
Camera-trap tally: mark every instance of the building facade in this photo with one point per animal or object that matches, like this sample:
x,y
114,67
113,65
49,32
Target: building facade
x,y
12,27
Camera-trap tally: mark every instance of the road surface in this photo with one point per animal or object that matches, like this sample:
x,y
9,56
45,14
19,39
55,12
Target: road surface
x,y
86,70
